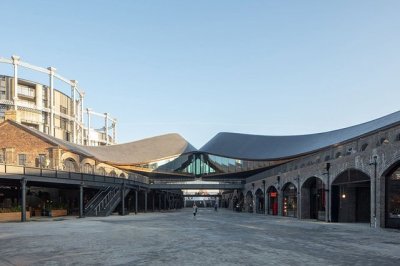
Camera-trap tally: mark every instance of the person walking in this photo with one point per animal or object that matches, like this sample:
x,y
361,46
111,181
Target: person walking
x,y
194,209
216,206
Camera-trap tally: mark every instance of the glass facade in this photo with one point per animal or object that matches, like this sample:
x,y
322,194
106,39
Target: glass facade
x,y
200,164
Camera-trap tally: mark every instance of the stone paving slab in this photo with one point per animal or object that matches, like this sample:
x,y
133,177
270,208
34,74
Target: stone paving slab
x,y
212,238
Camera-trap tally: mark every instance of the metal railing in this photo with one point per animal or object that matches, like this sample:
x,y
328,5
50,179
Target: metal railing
x,y
59,174
111,195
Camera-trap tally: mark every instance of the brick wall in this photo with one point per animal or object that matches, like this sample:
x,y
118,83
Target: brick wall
x,y
21,142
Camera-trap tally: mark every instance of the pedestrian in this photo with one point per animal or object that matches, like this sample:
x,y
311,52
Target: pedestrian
x,y
194,209
215,207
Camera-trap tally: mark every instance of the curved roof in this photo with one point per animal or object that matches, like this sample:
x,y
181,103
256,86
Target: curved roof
x,y
144,150
256,147
135,152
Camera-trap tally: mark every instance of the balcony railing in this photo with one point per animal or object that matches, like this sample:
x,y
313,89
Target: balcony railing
x,y
78,176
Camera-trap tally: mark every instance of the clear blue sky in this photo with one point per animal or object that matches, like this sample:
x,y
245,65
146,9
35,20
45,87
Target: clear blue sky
x,y
201,67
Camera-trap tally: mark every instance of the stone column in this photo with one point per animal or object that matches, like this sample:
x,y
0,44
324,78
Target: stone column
x,y
159,201
280,202
15,60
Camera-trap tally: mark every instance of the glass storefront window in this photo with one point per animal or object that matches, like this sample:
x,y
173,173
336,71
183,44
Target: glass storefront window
x,y
394,195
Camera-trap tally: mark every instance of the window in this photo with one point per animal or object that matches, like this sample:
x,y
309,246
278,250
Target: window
x,y
338,155
42,162
63,123
1,156
22,159
63,109
26,91
69,165
101,171
364,146
87,169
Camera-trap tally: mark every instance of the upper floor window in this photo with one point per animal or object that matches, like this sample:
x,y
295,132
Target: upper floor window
x,y
63,110
22,159
1,156
26,91
87,169
364,146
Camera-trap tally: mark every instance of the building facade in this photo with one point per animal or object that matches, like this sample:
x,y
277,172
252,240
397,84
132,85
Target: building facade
x,y
43,107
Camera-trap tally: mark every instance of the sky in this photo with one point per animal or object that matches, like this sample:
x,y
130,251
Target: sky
x,y
201,67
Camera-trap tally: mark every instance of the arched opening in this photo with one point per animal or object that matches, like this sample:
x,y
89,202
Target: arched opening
x,y
313,199
259,201
101,171
87,169
113,174
351,197
249,201
272,201
392,206
122,175
70,165
289,200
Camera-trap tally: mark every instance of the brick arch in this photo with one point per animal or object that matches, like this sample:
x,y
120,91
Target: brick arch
x,y
307,179
389,166
333,178
88,163
288,182
74,163
71,155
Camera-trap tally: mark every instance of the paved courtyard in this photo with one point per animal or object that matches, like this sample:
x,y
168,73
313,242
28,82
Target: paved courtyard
x,y
176,238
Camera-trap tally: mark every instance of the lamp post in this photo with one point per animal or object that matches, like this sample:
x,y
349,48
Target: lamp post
x,y
375,164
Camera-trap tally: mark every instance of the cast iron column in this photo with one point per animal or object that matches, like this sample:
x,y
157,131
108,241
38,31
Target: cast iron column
x,y
123,198
145,201
81,201
154,199
23,208
136,201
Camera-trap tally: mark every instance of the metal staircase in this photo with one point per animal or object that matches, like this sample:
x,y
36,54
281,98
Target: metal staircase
x,y
105,201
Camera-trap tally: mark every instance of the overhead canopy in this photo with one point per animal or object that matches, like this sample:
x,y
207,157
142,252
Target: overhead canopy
x,y
256,147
